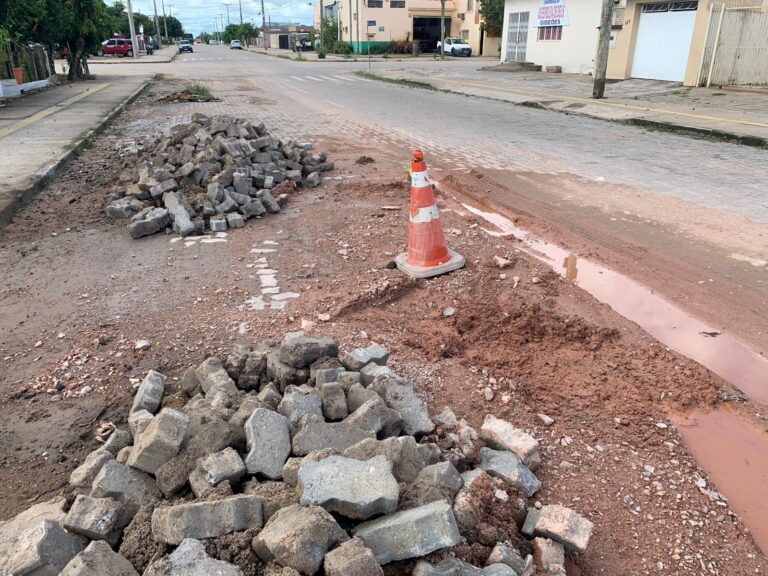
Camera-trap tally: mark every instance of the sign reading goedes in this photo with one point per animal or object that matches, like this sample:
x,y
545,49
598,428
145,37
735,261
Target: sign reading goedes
x,y
551,13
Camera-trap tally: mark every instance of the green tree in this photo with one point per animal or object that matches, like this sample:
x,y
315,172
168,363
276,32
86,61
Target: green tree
x,y
330,33
85,24
243,31
492,12
175,28
205,37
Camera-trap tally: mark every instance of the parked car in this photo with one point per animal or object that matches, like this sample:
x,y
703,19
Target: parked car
x,y
213,42
299,42
456,47
119,46
185,46
235,45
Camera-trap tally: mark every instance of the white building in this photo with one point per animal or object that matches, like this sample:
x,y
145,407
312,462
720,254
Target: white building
x,y
550,33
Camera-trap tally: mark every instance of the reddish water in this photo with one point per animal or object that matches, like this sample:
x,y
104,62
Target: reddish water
x,y
723,354
735,456
732,452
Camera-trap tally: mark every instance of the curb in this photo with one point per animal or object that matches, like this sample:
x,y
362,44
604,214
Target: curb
x,y
42,178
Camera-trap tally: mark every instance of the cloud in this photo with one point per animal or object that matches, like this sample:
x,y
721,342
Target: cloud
x,y
198,15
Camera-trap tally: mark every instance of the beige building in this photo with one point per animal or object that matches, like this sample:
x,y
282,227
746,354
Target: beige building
x,y
693,42
382,22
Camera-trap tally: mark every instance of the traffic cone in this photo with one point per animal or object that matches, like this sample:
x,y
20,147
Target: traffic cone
x,y
428,255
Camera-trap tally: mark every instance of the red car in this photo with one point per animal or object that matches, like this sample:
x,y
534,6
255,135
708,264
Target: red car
x,y
119,46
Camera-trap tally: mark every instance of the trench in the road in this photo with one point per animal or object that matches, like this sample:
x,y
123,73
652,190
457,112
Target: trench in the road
x,y
732,452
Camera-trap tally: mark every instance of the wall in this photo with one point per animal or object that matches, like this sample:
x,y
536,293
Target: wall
x,y
575,52
397,22
620,58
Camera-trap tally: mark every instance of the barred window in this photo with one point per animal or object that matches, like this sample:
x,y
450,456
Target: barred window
x,y
397,4
375,3
550,32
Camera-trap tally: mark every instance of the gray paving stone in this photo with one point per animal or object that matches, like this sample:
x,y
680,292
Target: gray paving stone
x,y
98,559
501,435
160,441
190,559
315,434
150,393
269,443
507,466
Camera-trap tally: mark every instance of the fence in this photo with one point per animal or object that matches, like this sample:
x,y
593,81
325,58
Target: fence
x,y
33,60
736,46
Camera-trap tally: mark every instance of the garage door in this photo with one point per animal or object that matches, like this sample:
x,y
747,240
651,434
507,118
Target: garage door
x,y
664,40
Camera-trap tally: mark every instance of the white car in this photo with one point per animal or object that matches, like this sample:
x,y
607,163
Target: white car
x,y
456,47
235,45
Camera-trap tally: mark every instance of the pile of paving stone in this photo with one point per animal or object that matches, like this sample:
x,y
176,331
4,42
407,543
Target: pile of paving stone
x,y
211,174
310,462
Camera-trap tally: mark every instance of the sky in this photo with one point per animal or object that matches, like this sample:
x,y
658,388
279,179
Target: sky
x,y
198,15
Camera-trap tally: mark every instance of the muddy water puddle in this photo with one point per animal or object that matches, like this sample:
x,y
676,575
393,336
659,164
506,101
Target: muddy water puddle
x,y
722,354
732,452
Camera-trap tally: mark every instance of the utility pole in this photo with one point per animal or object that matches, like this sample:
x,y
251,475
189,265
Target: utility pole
x,y
165,20
603,46
442,29
263,22
241,13
157,26
220,15
134,43
227,5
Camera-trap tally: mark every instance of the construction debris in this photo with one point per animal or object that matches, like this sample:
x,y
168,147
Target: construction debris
x,y
242,478
210,175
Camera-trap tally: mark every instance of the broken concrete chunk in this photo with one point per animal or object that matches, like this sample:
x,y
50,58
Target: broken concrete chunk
x,y
352,558
150,393
160,441
334,401
43,548
549,556
292,465
376,416
370,371
200,520
400,396
182,222
127,485
402,453
10,530
315,434
348,379
96,518
269,443
436,482
98,559
235,220
353,488
211,373
447,567
149,221
295,406
299,537
224,465
122,208
83,475
503,554
118,440
502,435
299,351
325,375
138,422
507,466
410,533
357,395
190,559
563,525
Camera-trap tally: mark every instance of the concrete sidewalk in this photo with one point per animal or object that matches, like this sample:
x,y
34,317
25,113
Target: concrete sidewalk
x,y
40,132
738,115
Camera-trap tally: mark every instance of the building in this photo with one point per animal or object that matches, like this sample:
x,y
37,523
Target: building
x,y
552,33
693,42
383,22
676,41
278,35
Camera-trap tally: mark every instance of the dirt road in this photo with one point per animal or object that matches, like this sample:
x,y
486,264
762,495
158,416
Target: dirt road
x,y
77,294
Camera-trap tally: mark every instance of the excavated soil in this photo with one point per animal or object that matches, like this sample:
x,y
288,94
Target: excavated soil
x,y
77,293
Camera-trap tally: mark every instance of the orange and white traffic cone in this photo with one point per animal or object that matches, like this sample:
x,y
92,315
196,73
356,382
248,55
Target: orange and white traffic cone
x,y
428,255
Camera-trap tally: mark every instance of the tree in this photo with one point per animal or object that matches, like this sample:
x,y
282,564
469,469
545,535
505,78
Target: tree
x,y
175,28
330,33
492,12
242,31
205,37
86,23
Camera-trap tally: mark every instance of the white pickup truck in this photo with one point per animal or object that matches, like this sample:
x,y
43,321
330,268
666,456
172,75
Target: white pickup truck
x,y
456,47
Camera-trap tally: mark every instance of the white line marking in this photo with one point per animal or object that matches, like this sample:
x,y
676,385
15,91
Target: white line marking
x,y
313,78
345,78
299,79
331,78
300,90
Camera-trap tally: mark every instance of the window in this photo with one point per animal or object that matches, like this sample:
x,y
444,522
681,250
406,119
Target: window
x,y
465,34
375,3
550,32
469,5
397,4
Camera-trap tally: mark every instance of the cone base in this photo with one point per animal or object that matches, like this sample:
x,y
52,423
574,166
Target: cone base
x,y
457,261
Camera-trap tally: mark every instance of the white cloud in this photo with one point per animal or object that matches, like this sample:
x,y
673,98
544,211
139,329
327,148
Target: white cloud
x,y
198,15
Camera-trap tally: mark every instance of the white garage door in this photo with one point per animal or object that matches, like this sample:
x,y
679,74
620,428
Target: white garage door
x,y
664,40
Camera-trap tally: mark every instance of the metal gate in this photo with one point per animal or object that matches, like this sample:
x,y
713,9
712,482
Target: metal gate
x,y
736,47
517,36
